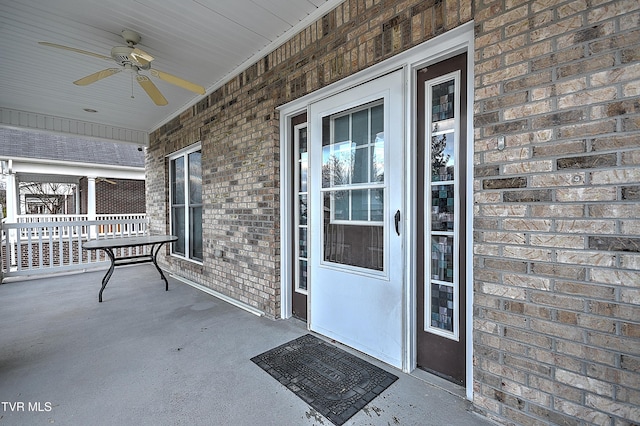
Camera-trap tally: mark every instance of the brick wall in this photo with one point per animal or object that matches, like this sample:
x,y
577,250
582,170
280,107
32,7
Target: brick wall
x,y
557,235
116,196
239,129
556,228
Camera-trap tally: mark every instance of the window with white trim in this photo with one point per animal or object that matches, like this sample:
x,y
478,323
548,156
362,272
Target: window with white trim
x,y
185,194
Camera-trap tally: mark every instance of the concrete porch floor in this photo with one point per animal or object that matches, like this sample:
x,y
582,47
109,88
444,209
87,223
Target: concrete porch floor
x,y
149,357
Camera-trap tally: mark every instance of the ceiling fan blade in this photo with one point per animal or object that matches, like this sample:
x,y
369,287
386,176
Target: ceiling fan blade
x,y
178,81
151,90
73,49
140,56
97,76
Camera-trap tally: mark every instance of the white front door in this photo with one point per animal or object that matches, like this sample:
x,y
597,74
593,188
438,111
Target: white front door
x,y
355,205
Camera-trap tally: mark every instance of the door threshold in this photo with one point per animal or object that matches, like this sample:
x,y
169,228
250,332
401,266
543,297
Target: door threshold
x,y
439,383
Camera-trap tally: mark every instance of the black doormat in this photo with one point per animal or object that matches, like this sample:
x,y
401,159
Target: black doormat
x,y
335,383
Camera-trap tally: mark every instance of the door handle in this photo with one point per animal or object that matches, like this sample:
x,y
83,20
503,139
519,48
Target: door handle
x,y
397,219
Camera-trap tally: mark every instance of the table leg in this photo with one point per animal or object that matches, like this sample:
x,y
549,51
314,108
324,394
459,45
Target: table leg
x,y
154,255
107,276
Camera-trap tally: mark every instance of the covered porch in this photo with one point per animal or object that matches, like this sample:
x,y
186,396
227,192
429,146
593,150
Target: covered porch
x,y
147,356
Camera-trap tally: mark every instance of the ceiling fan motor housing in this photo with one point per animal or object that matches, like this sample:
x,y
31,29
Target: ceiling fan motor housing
x,y
122,55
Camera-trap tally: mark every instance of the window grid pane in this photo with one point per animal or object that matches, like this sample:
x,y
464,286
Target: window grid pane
x,y
353,155
177,175
186,178
195,178
195,235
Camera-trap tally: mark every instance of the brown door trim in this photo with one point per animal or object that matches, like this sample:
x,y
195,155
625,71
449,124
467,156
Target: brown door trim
x,y
440,355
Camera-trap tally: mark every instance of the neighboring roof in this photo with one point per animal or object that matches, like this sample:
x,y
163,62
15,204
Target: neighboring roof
x,y
15,143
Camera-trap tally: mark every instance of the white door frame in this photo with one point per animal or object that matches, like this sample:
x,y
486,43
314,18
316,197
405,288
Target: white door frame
x,y
449,44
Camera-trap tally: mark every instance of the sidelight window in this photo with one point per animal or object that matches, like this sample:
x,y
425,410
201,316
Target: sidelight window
x,y
442,222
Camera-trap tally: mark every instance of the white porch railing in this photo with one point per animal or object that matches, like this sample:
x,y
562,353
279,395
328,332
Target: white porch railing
x,y
49,244
106,220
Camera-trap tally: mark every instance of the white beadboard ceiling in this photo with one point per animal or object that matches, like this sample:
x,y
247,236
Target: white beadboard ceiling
x,y
203,41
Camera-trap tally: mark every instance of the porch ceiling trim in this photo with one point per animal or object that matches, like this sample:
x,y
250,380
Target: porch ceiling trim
x,y
50,123
59,169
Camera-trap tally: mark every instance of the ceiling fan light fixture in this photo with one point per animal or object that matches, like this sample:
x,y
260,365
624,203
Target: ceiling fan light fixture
x,y
131,69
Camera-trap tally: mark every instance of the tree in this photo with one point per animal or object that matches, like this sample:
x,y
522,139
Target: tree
x,y
46,197
439,159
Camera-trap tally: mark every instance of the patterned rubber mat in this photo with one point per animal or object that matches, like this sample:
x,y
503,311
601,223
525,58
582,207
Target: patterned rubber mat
x,y
335,383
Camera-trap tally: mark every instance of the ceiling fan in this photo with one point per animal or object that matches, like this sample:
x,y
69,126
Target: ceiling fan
x,y
133,60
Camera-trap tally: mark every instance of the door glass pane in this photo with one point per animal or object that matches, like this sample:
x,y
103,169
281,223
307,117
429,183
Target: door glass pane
x,y
442,306
442,159
360,131
442,101
341,130
339,205
304,170
336,164
442,207
377,159
302,243
303,209
360,204
442,258
302,275
354,245
361,165
376,203
302,140
353,187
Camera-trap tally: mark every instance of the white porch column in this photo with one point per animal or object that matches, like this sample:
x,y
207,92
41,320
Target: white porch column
x,y
77,211
91,204
13,198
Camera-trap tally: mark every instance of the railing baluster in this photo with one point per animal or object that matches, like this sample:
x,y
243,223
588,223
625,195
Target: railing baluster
x,y
60,232
40,231
29,251
51,257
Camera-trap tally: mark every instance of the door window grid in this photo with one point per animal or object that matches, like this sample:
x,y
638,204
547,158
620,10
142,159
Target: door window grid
x,y
301,191
354,187
353,165
185,175
441,224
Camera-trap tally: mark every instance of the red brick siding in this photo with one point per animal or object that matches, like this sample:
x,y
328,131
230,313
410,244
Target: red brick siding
x,y
125,196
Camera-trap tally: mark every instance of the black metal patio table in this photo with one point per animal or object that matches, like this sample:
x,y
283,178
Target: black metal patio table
x,y
109,245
